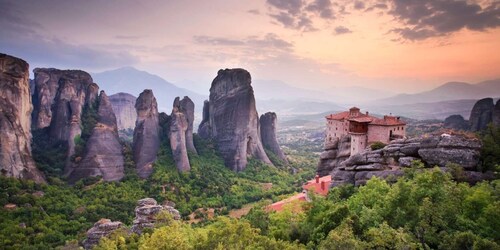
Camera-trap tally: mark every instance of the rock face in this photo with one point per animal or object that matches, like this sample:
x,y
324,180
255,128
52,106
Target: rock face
x,y
103,153
15,120
438,150
204,129
59,99
146,214
496,113
186,106
124,107
233,122
178,136
268,122
335,152
481,114
102,228
456,122
146,133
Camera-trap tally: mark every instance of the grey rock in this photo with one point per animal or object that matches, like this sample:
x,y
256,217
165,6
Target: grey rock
x,y
102,228
186,106
146,213
124,108
15,121
103,153
456,122
336,152
481,114
146,133
328,154
59,99
406,161
361,178
467,158
496,114
268,123
233,122
342,177
410,149
177,136
204,129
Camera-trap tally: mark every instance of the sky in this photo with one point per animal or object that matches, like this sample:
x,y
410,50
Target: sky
x,y
393,45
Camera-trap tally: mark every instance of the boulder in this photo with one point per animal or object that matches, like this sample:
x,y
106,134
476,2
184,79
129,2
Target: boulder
x,y
268,123
146,133
123,105
481,114
456,122
15,121
103,152
146,214
102,228
233,122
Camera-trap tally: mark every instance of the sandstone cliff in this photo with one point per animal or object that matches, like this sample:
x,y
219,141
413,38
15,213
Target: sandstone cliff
x,y
103,153
15,120
481,114
233,122
178,129
59,99
124,107
335,152
456,122
146,133
186,106
204,129
268,123
437,150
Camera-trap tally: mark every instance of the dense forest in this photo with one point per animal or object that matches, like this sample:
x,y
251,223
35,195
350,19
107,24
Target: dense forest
x,y
423,210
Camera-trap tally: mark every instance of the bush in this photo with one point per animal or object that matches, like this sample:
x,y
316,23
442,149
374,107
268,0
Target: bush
x,y
377,145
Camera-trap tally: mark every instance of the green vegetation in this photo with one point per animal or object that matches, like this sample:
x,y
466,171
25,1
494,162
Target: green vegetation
x,y
49,156
490,152
377,145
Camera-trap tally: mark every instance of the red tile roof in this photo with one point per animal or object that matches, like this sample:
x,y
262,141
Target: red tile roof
x,y
338,116
278,206
362,118
319,186
388,121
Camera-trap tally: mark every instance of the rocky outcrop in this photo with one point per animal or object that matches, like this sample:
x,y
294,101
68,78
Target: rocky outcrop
x,y
102,228
456,122
146,214
496,114
204,129
103,153
15,120
146,133
233,122
268,123
59,99
186,106
481,114
335,151
437,150
123,105
178,136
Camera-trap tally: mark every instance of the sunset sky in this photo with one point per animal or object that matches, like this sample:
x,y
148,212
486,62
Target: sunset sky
x,y
399,45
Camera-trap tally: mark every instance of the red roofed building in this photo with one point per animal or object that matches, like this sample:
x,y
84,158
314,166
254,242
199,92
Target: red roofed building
x,y
319,186
364,129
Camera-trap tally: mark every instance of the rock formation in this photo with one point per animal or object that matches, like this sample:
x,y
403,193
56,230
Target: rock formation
x,y
204,129
335,152
437,150
146,214
178,135
233,122
496,114
456,122
186,106
481,114
15,120
268,122
146,133
124,107
102,228
59,99
103,153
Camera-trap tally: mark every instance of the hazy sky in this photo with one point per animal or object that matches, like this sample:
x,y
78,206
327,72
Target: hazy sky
x,y
398,45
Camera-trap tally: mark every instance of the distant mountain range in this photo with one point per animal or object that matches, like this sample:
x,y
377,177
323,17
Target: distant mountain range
x,y
446,92
134,81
